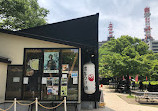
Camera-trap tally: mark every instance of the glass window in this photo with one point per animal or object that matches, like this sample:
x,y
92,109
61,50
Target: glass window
x,y
14,81
70,74
32,73
51,75
62,79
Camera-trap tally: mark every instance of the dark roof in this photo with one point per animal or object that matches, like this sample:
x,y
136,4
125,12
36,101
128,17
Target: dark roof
x,y
5,60
76,32
81,30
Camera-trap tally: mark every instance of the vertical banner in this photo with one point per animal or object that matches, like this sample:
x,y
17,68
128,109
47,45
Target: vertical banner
x,y
136,78
51,62
63,90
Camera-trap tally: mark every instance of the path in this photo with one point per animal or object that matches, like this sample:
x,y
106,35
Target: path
x,y
115,103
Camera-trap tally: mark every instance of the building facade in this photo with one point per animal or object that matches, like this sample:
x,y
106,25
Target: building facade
x,y
153,45
101,43
47,62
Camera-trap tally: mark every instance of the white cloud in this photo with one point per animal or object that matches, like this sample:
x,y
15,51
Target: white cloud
x,y
127,16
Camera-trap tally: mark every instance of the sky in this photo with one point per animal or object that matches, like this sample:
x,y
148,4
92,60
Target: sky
x,y
127,16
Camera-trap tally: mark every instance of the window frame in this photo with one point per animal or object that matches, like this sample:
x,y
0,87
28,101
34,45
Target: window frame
x,y
15,65
60,71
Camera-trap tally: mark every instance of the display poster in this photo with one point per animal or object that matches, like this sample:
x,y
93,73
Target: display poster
x,y
51,62
44,80
63,81
55,90
64,75
74,74
49,90
65,68
34,64
52,90
16,79
29,70
52,81
49,81
75,80
63,90
25,80
55,81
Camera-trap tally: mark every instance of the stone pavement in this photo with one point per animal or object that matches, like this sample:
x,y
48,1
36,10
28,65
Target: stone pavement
x,y
115,103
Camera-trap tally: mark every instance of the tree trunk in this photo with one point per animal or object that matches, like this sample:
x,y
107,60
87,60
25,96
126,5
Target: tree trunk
x,y
128,85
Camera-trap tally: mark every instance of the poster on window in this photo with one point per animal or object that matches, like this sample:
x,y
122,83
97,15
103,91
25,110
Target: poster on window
x,y
49,90
49,81
52,81
44,80
63,81
55,90
64,75
74,74
63,90
55,81
65,68
51,62
25,80
34,64
52,90
16,79
75,80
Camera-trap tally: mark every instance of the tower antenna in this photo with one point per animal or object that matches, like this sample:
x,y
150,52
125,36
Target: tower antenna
x,y
147,28
110,31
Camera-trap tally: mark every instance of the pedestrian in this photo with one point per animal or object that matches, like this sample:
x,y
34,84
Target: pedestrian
x,y
141,86
133,85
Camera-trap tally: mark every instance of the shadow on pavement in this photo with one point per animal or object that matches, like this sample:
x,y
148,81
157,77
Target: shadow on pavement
x,y
108,109
100,109
148,103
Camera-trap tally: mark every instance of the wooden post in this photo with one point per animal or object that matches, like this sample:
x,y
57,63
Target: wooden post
x,y
65,108
14,104
36,104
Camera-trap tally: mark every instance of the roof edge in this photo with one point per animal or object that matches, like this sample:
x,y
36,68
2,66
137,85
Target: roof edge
x,y
5,60
97,14
44,38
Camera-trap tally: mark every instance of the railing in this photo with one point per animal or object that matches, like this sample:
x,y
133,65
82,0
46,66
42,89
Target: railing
x,y
146,95
36,102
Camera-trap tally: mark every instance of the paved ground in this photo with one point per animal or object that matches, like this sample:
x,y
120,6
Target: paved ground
x,y
115,103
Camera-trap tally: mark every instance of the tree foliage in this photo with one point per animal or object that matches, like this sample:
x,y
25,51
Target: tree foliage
x,y
127,55
21,14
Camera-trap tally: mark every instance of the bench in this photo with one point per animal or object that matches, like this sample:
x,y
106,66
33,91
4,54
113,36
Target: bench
x,y
149,96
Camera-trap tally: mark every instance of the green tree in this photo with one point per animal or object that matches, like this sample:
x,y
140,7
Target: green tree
x,y
123,57
21,14
151,60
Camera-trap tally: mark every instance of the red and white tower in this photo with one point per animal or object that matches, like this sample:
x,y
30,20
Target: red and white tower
x,y
147,28
110,31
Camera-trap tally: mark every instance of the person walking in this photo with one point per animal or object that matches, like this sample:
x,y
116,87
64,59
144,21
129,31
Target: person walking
x,y
141,86
133,85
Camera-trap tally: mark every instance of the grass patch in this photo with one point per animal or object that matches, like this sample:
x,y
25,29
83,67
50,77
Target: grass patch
x,y
151,82
147,82
130,96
